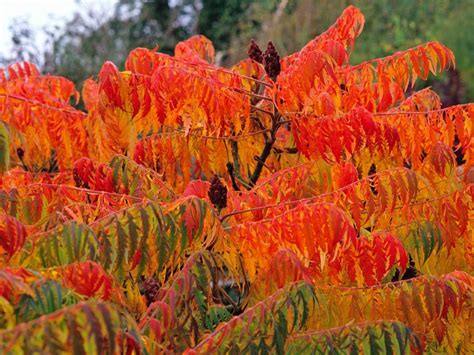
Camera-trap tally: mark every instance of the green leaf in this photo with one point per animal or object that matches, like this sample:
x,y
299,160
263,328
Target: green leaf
x,y
47,298
280,332
4,148
133,234
95,328
375,347
106,250
401,338
215,315
109,325
121,250
145,222
75,337
200,300
115,170
387,335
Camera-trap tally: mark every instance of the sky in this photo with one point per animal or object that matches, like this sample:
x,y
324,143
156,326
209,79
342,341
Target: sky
x,y
41,13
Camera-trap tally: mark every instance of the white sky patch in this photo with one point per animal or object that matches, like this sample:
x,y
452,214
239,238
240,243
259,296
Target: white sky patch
x,y
41,13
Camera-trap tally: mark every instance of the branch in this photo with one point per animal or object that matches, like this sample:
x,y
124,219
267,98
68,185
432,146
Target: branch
x,y
230,169
235,173
290,150
267,149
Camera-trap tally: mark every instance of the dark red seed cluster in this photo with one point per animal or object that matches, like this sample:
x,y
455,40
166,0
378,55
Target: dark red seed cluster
x,y
218,193
255,52
78,180
20,152
271,61
149,288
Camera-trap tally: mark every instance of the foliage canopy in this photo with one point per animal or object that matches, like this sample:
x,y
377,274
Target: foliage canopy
x,y
294,204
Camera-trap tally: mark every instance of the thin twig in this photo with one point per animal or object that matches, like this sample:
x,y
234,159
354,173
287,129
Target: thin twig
x,y
262,110
252,94
71,111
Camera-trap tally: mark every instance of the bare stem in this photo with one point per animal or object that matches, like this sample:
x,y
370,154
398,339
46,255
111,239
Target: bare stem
x,y
267,149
